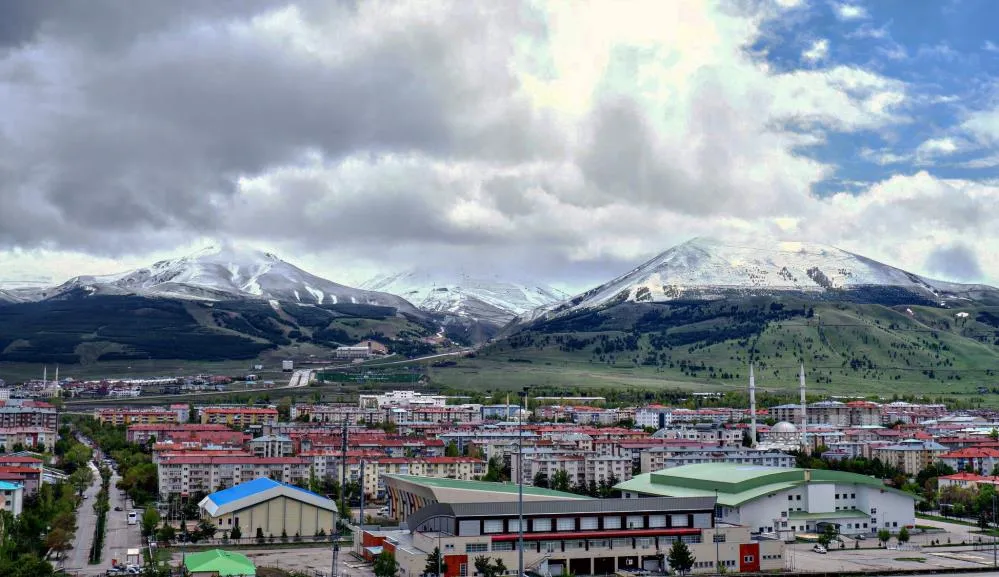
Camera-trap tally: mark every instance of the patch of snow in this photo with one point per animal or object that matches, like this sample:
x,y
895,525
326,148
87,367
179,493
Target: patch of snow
x,y
316,293
275,305
298,298
961,315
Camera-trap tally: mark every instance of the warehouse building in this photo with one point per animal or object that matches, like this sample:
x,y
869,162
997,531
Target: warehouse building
x,y
274,507
783,502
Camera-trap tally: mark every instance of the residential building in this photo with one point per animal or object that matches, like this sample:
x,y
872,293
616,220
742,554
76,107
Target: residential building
x,y
239,416
187,475
27,437
911,455
271,446
191,432
274,508
980,460
965,481
784,502
400,399
657,458
27,413
655,416
125,416
11,497
581,468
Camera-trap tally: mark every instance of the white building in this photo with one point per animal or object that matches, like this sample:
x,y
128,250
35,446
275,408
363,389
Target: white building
x,y
581,468
784,502
654,416
11,497
401,399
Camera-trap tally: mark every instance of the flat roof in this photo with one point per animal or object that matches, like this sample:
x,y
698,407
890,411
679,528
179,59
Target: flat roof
x,y
487,486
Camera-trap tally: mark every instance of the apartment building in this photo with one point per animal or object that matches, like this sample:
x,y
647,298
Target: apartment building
x,y
704,433
980,460
181,433
910,455
27,437
654,416
341,414
27,413
123,416
658,458
400,399
581,468
239,416
454,414
271,446
187,475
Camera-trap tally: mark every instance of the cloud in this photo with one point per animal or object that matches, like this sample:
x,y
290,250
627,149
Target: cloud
x,y
990,46
819,50
541,137
957,262
846,11
934,148
983,125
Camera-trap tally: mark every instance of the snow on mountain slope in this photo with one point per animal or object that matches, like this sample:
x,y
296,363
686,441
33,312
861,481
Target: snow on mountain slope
x,y
705,267
478,299
225,273
6,297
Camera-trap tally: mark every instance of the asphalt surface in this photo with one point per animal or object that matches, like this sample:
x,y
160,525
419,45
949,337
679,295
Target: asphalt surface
x,y
120,535
86,520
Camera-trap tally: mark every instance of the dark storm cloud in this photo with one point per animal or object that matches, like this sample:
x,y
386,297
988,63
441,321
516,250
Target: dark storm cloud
x,y
956,262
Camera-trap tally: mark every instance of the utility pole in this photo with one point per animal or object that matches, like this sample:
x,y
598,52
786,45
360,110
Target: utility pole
x,y
343,497
520,483
994,525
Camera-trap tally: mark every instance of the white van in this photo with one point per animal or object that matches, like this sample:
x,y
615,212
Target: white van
x,y
133,518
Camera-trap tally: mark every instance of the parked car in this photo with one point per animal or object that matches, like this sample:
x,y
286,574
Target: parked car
x,y
117,508
861,537
819,549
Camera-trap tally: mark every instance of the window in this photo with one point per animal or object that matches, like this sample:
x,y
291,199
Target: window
x,y
853,495
541,525
476,547
463,570
678,520
612,522
837,495
636,522
797,497
589,523
598,544
656,521
513,525
566,524
497,546
748,559
551,546
493,526
790,497
644,542
620,543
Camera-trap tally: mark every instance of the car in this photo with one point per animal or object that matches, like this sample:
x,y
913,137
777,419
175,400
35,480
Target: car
x,y
117,508
819,549
861,537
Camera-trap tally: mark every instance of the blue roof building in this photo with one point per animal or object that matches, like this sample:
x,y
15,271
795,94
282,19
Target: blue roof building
x,y
271,506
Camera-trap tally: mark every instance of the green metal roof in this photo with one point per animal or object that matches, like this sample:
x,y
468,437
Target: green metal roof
x,y
483,486
735,483
225,563
847,514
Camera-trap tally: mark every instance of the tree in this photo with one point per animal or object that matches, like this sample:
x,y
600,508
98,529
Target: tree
x,y
487,567
385,565
165,534
432,568
680,558
560,481
884,535
827,536
206,529
59,540
903,535
76,457
150,519
236,532
540,480
451,450
82,479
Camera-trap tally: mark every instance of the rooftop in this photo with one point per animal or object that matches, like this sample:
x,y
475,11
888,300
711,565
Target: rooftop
x,y
223,563
482,486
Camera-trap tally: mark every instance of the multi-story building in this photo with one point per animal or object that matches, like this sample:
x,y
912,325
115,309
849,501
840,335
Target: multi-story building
x,y
835,413
561,535
22,470
372,469
341,414
124,416
400,399
980,460
187,475
27,413
581,468
11,497
239,416
705,433
220,434
965,481
454,414
654,416
271,446
657,458
911,455
27,437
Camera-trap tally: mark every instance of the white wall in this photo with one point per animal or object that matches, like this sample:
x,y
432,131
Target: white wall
x,y
820,497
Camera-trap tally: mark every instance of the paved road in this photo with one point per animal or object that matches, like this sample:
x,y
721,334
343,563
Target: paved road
x,y
86,519
120,535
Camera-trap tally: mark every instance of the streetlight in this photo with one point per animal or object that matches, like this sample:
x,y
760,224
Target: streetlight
x,y
520,483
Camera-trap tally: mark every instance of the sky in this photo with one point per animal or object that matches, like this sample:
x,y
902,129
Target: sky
x,y
562,142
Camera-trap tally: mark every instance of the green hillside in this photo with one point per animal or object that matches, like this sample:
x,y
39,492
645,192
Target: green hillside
x,y
856,349
122,328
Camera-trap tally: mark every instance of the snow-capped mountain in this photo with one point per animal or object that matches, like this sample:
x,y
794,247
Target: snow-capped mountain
x,y
8,297
709,268
489,300
223,273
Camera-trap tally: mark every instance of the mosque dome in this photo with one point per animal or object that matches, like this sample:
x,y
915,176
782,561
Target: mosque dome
x,y
783,427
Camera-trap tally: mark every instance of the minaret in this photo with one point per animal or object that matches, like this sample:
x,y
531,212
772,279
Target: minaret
x,y
752,406
45,375
57,375
804,405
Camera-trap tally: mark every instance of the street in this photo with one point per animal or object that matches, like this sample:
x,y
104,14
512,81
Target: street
x,y
86,519
120,535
